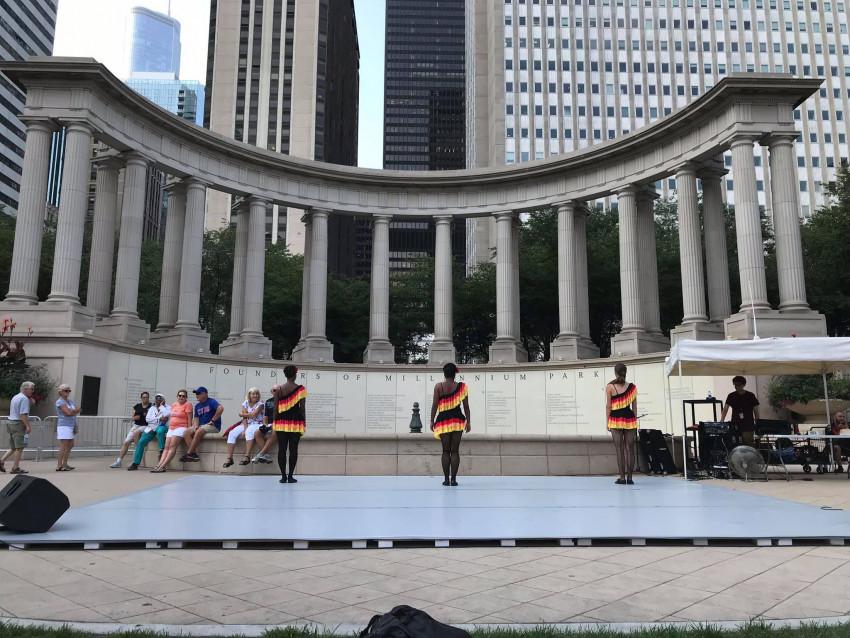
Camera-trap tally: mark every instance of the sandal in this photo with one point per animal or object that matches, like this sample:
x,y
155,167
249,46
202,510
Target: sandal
x,y
67,468
157,470
228,462
18,470
61,469
245,461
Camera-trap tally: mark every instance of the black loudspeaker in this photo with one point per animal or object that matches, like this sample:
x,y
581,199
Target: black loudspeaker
x,y
30,504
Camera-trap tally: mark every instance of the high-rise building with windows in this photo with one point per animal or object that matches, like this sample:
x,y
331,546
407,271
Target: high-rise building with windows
x,y
156,43
27,28
552,76
424,108
284,75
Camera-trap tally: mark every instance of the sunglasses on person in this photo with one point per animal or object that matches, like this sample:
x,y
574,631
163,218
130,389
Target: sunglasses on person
x,y
182,396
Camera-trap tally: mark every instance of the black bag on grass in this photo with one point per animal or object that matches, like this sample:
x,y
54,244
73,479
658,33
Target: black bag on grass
x,y
407,622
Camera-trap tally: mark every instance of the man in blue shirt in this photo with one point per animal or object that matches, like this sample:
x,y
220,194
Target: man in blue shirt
x,y
207,420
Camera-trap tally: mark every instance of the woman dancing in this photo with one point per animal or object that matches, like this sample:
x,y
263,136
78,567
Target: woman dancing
x,y
289,422
620,409
451,422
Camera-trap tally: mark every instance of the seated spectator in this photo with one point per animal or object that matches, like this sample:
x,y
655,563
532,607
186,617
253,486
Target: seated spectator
x,y
265,431
207,421
178,430
252,420
156,428
66,426
137,426
839,422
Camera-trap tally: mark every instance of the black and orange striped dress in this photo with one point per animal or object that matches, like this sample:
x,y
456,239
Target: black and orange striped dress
x,y
288,416
450,417
622,416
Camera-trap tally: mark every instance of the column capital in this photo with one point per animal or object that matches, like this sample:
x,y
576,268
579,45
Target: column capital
x,y
176,186
788,138
441,220
503,215
568,205
114,162
195,182
688,168
381,219
43,125
79,127
742,139
134,157
258,199
319,213
711,173
631,189
647,194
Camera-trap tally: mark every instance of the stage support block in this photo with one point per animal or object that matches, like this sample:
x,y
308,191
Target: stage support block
x,y
832,541
507,543
441,543
151,545
638,542
230,545
301,545
18,548
764,542
385,544
358,544
175,545
584,542
784,542
566,542
91,545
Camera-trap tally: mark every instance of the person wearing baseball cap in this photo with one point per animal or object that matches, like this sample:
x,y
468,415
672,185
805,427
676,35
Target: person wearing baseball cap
x,y
157,428
207,420
264,434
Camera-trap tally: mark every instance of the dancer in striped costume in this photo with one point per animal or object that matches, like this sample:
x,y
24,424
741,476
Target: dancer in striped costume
x,y
448,421
289,422
620,409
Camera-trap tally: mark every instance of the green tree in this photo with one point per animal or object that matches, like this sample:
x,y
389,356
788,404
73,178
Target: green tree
x,y
603,276
216,284
538,262
475,314
412,311
282,299
348,317
826,256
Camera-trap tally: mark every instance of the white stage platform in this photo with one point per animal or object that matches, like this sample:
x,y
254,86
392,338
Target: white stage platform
x,y
386,510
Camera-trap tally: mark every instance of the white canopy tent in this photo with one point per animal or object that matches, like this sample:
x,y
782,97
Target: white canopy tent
x,y
768,357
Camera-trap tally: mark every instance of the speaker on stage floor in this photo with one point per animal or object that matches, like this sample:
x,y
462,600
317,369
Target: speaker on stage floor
x,y
30,504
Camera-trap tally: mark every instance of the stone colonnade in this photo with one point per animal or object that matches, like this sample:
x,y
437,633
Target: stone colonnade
x,y
706,312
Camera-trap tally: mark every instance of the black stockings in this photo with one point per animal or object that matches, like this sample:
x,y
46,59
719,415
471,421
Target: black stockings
x,y
451,453
284,440
624,448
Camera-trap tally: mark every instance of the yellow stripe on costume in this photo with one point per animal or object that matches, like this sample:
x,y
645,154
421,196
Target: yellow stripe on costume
x,y
454,399
292,400
449,425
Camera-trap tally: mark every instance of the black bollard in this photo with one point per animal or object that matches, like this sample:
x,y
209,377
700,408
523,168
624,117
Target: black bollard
x,y
415,421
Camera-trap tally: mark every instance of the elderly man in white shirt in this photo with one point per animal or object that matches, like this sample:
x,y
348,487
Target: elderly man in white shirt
x,y
157,428
18,427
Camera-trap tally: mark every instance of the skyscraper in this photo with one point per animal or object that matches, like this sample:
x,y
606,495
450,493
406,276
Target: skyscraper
x,y
284,75
424,107
156,44
27,28
555,76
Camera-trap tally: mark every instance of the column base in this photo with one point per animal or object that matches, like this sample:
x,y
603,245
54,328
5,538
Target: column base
x,y
184,339
441,352
773,323
507,351
698,331
638,342
121,328
247,347
569,348
379,351
313,350
48,317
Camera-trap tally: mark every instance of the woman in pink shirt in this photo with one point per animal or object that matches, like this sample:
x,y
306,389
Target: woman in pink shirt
x,y
178,427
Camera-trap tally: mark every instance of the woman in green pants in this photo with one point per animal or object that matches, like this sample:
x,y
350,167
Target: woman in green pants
x,y
157,419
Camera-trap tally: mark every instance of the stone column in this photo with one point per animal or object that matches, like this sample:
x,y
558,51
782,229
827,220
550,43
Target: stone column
x,y
442,348
103,236
305,289
252,341
516,227
68,252
169,291
648,262
690,247
716,259
506,348
582,296
124,323
748,227
26,254
786,223
316,346
380,349
237,296
565,345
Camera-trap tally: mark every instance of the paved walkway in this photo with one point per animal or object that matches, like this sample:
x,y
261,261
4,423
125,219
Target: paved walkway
x,y
457,585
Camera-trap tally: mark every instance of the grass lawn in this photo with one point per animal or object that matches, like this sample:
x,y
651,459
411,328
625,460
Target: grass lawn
x,y
751,631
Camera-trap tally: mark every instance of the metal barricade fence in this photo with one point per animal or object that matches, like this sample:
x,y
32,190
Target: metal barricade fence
x,y
98,434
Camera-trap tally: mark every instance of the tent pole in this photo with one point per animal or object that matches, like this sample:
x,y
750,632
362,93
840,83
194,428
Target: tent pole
x,y
684,425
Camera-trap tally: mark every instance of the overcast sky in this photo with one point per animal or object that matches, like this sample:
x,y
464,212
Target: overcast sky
x,y
101,29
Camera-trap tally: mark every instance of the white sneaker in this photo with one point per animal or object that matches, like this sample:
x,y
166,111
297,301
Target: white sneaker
x,y
116,465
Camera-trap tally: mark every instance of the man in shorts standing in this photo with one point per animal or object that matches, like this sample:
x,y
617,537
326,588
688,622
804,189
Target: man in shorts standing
x,y
18,427
207,420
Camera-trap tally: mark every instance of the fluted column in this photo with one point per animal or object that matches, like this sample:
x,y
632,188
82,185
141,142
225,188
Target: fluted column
x,y
26,254
172,257
130,238
240,252
690,247
191,264
379,349
103,236
255,268
506,348
516,226
305,277
318,275
629,261
748,227
582,296
568,313
648,262
442,348
716,258
786,224
68,253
